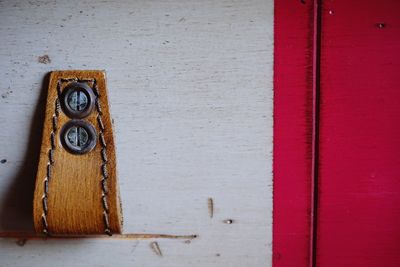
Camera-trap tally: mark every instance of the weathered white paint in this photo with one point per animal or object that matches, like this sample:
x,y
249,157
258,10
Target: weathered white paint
x,y
190,84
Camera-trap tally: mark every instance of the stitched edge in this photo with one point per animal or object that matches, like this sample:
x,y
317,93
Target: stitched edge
x,y
104,171
51,161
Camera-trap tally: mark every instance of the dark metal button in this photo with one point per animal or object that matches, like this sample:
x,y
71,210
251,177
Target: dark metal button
x,y
77,100
78,136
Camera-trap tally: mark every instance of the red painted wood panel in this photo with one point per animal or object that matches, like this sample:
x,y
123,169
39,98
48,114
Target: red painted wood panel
x,y
359,149
293,98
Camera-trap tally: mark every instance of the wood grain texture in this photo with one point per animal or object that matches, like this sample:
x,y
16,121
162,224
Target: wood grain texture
x,y
359,200
190,91
74,201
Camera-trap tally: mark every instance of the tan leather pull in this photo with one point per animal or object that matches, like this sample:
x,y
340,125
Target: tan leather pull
x,y
76,185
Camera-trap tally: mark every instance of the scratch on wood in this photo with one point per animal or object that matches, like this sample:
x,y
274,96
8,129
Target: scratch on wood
x,y
134,246
211,207
22,235
156,248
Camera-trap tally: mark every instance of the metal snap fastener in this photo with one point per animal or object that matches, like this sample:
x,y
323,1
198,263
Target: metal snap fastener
x,y
77,100
78,136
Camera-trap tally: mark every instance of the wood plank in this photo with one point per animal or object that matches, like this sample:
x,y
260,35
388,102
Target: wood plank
x,y
359,215
190,89
293,107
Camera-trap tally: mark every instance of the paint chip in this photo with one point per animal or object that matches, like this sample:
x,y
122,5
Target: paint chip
x,y
45,59
6,94
3,161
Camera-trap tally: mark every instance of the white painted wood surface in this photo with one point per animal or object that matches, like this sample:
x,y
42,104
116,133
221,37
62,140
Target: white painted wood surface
x,y
190,86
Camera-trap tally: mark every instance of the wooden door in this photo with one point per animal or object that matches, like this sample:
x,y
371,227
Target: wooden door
x,y
337,113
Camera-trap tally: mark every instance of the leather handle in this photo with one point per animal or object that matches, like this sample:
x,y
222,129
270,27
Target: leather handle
x,y
76,189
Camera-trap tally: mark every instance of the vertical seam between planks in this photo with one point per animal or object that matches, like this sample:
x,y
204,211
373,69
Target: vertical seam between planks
x,y
315,130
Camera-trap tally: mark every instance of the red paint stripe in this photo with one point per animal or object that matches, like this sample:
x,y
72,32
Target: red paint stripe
x,y
293,129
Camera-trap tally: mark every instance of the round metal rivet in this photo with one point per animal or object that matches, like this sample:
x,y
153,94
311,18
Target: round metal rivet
x,y
77,100
78,136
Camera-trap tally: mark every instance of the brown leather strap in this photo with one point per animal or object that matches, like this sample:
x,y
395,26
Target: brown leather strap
x,y
76,185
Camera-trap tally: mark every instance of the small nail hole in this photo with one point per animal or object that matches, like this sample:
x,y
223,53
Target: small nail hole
x,y
228,221
381,25
21,242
